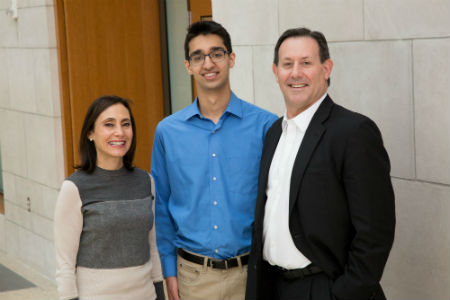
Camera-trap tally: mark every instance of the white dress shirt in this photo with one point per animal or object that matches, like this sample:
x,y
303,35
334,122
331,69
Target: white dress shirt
x,y
279,248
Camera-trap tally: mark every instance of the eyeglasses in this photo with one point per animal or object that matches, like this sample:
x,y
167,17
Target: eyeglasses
x,y
215,55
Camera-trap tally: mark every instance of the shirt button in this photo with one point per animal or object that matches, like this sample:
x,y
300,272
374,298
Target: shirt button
x,y
213,155
215,227
215,202
214,178
217,250
213,131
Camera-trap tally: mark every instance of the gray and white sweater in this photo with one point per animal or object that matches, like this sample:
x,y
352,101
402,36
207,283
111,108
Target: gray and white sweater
x,y
104,236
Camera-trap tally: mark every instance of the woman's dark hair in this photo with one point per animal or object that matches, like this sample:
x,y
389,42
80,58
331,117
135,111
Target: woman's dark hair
x,y
87,149
205,28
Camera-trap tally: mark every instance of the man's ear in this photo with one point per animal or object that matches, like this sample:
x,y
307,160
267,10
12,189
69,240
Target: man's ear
x,y
232,59
328,67
188,66
275,71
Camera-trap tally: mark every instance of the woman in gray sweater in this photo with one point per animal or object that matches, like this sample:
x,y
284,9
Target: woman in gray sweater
x,y
104,224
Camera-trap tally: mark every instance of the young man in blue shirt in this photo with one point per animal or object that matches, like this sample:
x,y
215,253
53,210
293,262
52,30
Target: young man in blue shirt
x,y
205,164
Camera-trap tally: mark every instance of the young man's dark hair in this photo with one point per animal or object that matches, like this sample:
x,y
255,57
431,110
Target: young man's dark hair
x,y
204,28
324,53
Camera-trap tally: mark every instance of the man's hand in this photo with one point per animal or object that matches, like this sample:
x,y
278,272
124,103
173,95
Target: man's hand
x,y
172,288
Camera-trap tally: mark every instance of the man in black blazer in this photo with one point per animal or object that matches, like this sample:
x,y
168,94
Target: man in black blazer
x,y
325,217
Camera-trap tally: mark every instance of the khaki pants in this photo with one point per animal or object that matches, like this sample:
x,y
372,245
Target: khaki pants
x,y
201,282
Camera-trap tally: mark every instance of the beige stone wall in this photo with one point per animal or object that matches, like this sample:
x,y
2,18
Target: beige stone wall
x,y
30,132
392,63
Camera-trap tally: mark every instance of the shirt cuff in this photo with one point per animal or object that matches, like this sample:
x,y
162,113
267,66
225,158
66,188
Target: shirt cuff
x,y
169,264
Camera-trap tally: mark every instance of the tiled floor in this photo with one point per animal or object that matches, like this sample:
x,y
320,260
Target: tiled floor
x,y
43,289
12,281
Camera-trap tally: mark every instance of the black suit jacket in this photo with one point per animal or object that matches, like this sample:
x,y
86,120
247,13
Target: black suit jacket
x,y
341,204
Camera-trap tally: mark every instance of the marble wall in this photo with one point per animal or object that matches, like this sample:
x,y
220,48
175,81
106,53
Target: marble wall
x,y
30,132
392,63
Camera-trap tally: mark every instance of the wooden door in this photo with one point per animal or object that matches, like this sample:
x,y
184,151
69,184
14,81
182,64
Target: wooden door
x,y
199,10
110,47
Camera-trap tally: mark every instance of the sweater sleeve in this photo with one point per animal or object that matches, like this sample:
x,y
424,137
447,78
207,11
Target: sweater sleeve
x,y
68,224
156,272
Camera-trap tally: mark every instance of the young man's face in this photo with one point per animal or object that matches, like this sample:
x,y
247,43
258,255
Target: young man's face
x,y
209,76
300,74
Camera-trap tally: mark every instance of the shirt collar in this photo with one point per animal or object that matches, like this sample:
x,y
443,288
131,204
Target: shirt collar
x,y
234,107
303,119
191,110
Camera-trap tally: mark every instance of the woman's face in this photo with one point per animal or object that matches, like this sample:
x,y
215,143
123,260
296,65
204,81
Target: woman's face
x,y
112,136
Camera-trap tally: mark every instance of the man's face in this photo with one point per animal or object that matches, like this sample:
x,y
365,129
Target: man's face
x,y
300,74
209,76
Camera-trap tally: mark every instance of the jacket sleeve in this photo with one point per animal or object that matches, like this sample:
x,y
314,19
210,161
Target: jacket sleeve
x,y
68,224
367,183
165,228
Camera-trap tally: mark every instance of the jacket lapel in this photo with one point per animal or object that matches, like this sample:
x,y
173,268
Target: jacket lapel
x,y
270,145
309,143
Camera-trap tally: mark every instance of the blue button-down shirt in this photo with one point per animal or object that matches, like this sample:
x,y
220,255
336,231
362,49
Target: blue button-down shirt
x,y
206,178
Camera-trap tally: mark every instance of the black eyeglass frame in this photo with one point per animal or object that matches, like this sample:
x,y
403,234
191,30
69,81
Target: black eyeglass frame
x,y
225,52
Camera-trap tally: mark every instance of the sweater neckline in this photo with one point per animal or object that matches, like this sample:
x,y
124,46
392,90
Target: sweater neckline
x,y
111,173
